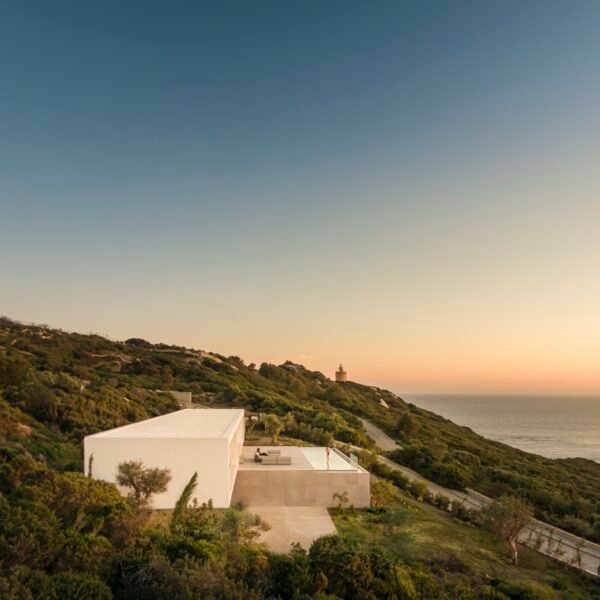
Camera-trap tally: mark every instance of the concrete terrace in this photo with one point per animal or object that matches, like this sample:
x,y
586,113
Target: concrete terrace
x,y
306,482
300,460
294,524
294,498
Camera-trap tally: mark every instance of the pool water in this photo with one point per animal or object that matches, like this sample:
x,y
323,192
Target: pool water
x,y
317,457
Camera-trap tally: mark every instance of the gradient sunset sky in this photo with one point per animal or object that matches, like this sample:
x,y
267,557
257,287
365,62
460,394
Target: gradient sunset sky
x,y
412,189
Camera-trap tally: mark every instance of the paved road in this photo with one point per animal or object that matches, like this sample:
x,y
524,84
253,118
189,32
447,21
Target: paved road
x,y
382,439
546,539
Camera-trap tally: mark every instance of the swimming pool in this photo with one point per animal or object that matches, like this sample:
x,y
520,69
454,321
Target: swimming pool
x,y
317,457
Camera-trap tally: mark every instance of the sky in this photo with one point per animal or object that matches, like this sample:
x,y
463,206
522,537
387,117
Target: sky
x,y
410,189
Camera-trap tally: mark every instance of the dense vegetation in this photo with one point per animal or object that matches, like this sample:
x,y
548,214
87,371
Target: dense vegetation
x,y
65,536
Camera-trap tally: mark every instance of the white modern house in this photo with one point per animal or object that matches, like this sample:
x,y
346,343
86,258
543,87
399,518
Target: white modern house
x,y
208,442
211,443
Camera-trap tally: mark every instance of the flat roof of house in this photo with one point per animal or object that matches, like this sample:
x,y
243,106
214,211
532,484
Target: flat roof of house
x,y
207,423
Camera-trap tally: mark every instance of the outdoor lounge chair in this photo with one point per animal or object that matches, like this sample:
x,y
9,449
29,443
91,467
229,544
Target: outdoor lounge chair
x,y
276,459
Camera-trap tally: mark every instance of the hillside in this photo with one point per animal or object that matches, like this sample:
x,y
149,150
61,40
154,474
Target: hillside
x,y
76,384
56,387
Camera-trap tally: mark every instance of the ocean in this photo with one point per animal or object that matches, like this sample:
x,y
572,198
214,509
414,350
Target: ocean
x,y
553,426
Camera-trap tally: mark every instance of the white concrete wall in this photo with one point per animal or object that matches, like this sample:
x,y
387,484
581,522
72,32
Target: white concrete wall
x,y
210,458
235,445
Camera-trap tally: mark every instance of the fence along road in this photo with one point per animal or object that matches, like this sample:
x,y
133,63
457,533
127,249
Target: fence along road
x,y
542,537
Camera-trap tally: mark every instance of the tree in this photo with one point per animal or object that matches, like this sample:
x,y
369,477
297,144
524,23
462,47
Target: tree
x,y
368,459
240,526
184,499
441,501
80,585
39,401
14,370
144,482
417,488
450,474
273,426
382,493
250,424
406,425
86,505
346,567
506,517
90,465
166,376
289,422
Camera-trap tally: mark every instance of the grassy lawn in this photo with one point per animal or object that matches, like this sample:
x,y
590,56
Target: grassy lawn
x,y
413,532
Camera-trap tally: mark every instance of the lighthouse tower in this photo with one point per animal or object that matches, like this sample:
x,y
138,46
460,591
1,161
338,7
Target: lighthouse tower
x,y
341,375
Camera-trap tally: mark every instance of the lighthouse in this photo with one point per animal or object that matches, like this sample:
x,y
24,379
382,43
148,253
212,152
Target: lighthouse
x,y
341,375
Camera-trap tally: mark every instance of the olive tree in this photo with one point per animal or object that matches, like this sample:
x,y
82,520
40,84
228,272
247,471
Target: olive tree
x,y
143,481
273,426
506,517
